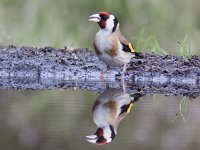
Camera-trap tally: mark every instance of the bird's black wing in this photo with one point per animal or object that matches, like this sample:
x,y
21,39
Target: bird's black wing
x,y
128,48
126,108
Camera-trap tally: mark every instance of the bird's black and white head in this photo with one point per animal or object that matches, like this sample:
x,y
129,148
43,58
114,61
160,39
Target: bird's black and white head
x,y
106,21
102,136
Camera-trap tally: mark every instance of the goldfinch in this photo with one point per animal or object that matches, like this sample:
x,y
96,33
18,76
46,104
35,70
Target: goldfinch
x,y
108,111
109,44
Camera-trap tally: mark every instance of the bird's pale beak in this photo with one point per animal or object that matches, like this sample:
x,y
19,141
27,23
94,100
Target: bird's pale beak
x,y
95,18
91,138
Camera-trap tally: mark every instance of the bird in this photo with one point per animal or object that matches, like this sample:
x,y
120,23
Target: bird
x,y
110,45
109,109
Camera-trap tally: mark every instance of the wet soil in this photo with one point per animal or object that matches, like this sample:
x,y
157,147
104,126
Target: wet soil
x,y
36,68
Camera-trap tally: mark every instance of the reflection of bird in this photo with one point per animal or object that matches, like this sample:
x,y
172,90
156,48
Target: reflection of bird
x,y
108,111
110,46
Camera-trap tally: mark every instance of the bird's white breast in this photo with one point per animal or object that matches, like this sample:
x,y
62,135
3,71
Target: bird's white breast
x,y
101,40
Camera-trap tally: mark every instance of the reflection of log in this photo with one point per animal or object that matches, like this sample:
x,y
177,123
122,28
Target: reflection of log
x,y
49,68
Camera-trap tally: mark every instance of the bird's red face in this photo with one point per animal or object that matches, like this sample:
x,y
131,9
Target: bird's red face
x,y
100,18
104,17
105,20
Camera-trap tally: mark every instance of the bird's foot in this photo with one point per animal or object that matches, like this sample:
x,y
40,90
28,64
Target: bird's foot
x,y
103,72
102,76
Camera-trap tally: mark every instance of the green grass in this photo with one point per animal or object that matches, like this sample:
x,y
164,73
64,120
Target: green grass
x,y
150,44
185,50
65,23
183,109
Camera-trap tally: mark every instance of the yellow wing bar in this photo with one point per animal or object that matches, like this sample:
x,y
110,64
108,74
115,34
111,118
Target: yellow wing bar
x,y
131,48
130,107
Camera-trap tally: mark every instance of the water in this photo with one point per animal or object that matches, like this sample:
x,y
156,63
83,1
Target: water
x,y
60,119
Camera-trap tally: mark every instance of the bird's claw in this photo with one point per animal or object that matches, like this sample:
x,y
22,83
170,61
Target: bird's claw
x,y
102,76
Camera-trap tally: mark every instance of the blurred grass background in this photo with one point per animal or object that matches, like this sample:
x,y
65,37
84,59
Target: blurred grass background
x,y
155,24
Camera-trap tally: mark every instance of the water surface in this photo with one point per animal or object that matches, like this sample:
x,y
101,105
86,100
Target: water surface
x,y
60,119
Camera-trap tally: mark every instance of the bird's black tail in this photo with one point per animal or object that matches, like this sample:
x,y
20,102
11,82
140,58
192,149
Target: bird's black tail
x,y
139,55
136,96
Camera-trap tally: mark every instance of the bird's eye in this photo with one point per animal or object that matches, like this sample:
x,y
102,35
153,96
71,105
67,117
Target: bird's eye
x,y
101,140
103,17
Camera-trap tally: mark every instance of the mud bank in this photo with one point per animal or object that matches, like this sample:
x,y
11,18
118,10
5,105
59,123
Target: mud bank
x,y
21,65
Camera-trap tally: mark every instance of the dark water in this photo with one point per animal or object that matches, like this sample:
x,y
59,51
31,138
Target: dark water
x,y
60,119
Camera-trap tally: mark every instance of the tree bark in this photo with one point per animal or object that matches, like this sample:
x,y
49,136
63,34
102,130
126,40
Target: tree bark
x,y
49,68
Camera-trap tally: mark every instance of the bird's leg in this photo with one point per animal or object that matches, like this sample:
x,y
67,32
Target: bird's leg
x,y
124,68
123,85
103,72
122,78
123,72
